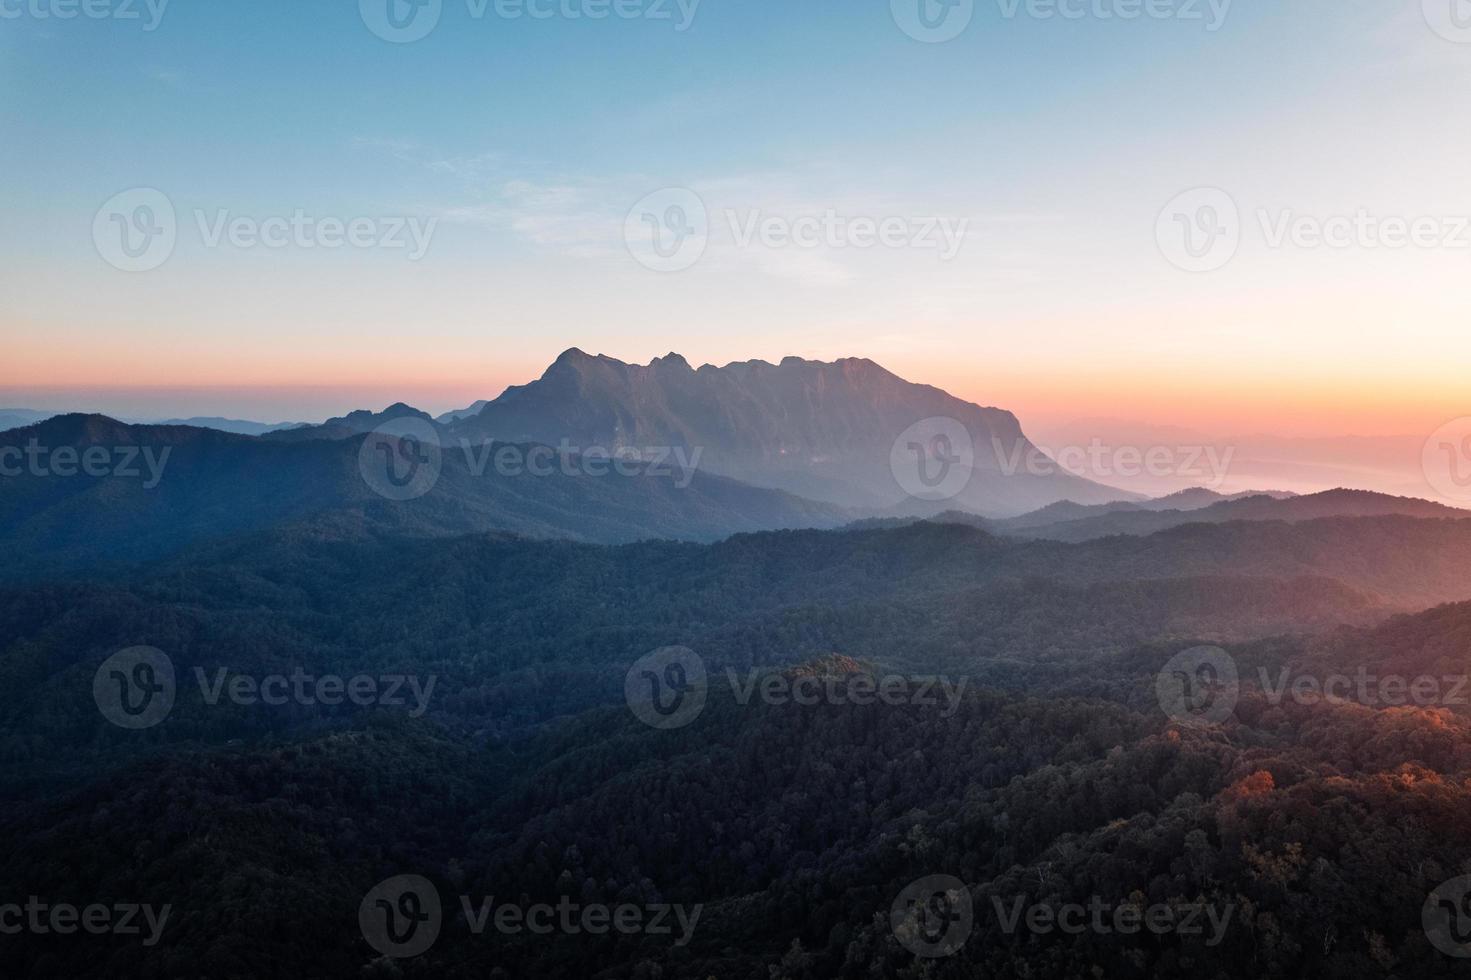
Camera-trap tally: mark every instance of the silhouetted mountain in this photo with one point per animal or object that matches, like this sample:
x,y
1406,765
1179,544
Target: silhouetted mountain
x,y
822,430
1195,498
14,418
1064,511
352,424
1330,503
158,489
1051,775
462,413
239,426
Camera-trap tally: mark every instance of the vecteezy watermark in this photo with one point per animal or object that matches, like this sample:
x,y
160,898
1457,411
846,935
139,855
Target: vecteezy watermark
x,y
135,688
148,12
669,688
1446,917
934,459
138,688
1105,918
120,462
862,689
937,21
312,690
1451,19
138,230
509,459
1205,464
933,916
1364,688
829,229
668,230
64,919
1201,230
1199,686
1211,13
1446,459
401,459
402,917
1364,230
406,21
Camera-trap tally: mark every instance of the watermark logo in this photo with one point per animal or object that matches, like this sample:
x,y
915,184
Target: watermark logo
x,y
1364,688
667,688
829,229
401,917
118,462
1446,459
1446,916
43,918
1206,465
933,916
933,459
857,688
1198,686
45,10
311,690
1105,918
135,688
678,463
668,230
571,918
1199,230
1451,19
406,21
933,21
136,230
401,459
401,21
1212,13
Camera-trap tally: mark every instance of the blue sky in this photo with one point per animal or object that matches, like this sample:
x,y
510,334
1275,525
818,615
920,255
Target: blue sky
x,y
1057,141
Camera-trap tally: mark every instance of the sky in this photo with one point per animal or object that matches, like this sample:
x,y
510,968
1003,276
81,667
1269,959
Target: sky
x,y
1087,215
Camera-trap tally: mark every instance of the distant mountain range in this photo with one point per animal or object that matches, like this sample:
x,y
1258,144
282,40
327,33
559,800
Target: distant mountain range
x,y
238,426
821,430
189,485
799,444
1194,498
14,418
1156,516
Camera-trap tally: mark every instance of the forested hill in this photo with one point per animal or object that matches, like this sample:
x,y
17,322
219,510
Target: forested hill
x,y
490,614
155,491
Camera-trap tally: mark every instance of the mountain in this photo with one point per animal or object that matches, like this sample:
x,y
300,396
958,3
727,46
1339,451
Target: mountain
x,y
158,489
462,413
237,426
1046,772
1261,507
826,431
349,425
1193,498
14,418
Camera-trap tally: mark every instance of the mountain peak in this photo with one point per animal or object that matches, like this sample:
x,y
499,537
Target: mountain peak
x,y
825,430
572,355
